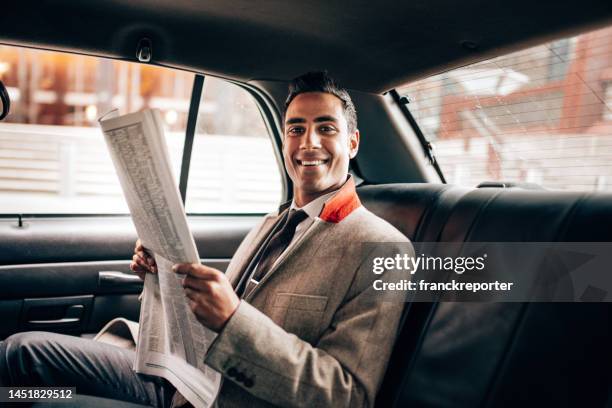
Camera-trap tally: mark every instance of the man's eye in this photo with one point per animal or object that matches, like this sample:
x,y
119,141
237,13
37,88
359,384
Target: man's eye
x,y
295,131
327,129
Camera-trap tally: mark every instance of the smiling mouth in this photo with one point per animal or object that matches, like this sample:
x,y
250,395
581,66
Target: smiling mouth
x,y
311,163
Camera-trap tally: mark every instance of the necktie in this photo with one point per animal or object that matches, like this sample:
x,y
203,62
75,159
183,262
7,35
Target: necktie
x,y
278,243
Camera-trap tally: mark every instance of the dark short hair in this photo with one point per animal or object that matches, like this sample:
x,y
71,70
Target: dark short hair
x,y
320,81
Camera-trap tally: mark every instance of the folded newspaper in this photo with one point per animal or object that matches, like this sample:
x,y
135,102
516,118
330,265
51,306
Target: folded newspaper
x,y
119,332
171,342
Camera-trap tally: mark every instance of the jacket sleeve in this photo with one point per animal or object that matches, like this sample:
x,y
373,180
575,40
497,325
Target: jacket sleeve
x,y
343,369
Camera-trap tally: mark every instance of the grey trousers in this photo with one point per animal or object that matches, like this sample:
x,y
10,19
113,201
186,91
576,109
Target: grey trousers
x,y
102,370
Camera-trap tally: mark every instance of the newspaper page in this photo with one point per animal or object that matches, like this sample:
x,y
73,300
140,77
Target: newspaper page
x,y
172,343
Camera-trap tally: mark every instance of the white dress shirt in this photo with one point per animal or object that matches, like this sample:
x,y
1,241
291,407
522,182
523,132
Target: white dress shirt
x,y
312,210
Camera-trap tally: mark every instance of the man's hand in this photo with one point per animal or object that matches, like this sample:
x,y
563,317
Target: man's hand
x,y
142,261
211,297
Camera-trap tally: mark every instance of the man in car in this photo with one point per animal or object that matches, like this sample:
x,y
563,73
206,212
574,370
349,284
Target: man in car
x,y
297,322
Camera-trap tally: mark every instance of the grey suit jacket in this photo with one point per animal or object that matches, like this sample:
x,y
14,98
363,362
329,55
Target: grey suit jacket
x,y
312,333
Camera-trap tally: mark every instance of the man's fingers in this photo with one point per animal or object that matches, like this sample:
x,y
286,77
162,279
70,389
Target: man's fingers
x,y
140,261
210,295
143,252
138,270
140,248
192,294
134,266
198,284
143,264
197,271
145,255
193,305
199,305
148,260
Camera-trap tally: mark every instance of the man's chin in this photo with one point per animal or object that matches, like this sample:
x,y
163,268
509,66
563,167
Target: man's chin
x,y
317,189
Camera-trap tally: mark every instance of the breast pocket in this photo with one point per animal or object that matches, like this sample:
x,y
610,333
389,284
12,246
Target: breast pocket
x,y
300,314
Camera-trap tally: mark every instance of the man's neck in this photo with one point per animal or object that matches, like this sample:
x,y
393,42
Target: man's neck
x,y
301,198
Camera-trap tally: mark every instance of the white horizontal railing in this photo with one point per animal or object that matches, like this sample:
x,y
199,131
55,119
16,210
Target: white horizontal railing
x,y
578,162
67,169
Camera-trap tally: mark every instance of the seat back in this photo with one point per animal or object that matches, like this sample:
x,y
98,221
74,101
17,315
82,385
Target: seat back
x,y
497,354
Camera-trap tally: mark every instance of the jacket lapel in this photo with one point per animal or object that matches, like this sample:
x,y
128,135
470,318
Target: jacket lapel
x,y
235,271
315,229
338,207
344,202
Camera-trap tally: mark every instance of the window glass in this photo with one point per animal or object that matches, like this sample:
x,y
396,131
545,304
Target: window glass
x,y
233,166
53,158
542,115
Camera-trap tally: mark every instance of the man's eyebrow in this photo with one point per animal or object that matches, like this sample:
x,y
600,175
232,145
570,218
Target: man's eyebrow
x,y
294,120
326,118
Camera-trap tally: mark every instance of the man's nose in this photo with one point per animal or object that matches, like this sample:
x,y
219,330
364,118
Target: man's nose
x,y
311,139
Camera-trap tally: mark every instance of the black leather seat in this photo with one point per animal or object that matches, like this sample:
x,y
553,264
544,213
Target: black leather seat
x,y
497,354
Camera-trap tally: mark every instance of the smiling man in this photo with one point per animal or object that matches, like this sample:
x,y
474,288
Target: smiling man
x,y
321,137
302,328
297,321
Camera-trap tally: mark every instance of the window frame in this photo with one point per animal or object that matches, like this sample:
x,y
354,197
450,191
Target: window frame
x,y
402,101
428,148
266,107
271,119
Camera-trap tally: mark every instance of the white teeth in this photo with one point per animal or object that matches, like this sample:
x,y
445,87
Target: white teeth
x,y
312,162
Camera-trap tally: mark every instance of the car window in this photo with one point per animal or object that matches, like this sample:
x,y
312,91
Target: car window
x,y
542,115
233,167
53,158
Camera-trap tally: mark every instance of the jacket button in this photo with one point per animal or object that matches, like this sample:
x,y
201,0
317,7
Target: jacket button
x,y
249,383
232,372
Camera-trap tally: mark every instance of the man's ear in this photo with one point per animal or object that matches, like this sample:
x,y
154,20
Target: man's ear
x,y
354,144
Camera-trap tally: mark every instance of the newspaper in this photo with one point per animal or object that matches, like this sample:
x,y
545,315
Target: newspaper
x,y
172,343
119,332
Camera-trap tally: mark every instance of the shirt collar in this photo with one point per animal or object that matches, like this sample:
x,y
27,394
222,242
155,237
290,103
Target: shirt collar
x,y
334,206
313,208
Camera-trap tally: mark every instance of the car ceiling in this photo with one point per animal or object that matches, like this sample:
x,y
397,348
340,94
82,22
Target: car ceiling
x,y
368,46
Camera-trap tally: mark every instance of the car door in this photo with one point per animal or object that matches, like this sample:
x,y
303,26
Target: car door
x,y
66,238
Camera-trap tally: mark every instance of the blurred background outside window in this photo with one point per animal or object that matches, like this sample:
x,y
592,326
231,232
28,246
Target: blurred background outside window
x,y
542,115
233,166
52,153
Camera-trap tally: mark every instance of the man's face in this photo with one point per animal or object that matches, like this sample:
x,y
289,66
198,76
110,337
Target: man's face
x,y
317,146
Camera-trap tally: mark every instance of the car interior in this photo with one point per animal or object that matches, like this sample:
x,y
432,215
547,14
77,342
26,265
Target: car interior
x,y
67,270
